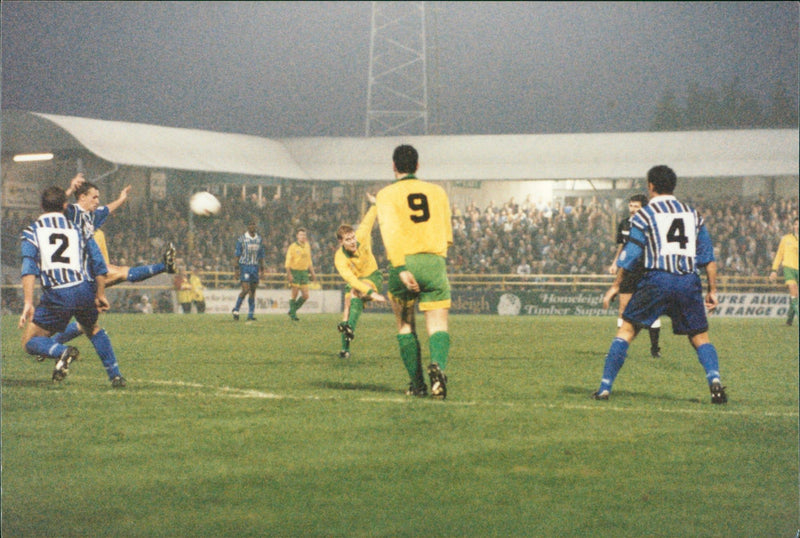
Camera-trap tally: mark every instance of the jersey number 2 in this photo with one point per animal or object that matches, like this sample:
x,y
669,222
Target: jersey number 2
x,y
419,204
58,255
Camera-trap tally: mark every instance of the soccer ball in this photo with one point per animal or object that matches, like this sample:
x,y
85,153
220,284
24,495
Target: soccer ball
x,y
204,204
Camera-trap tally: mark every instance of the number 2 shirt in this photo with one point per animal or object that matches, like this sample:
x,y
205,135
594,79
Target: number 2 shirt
x,y
54,249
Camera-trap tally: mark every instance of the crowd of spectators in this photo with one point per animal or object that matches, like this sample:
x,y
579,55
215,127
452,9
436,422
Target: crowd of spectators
x,y
526,238
510,238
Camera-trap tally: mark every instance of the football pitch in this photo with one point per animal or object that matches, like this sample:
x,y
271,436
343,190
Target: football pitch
x,y
236,429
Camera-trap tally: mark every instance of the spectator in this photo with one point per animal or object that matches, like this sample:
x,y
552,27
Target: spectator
x,y
197,287
183,290
144,305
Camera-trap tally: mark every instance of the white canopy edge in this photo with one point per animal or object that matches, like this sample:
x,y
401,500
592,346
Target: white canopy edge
x,y
730,153
723,153
153,146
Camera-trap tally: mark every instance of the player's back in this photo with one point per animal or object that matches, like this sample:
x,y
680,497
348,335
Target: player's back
x,y
58,249
671,231
414,217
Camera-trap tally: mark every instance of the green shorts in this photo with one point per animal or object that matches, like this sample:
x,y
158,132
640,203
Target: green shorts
x,y
430,271
790,275
300,278
374,281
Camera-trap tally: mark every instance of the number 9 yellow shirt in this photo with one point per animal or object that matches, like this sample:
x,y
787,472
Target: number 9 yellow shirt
x,y
414,218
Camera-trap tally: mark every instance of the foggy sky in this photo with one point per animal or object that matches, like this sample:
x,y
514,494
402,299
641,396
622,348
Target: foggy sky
x,y
283,69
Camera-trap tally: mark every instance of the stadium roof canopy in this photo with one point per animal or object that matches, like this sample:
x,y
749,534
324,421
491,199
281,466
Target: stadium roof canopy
x,y
724,153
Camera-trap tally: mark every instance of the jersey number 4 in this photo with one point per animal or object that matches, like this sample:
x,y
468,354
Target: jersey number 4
x,y
418,203
677,233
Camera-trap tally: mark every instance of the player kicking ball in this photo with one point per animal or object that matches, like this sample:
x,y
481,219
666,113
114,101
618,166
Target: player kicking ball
x,y
356,264
88,216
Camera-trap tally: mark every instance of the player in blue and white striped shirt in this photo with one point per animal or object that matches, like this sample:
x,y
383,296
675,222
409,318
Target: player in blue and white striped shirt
x,y
670,238
88,216
73,277
250,253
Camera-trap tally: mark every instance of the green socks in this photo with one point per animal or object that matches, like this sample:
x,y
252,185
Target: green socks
x,y
439,344
294,306
410,353
356,307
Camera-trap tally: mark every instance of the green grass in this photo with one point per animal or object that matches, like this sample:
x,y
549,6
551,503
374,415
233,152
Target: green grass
x,y
230,429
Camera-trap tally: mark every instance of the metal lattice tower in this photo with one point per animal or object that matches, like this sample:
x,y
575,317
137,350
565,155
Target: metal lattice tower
x,y
397,90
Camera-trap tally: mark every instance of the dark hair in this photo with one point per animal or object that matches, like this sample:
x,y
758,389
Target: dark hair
x,y
406,159
662,178
53,199
83,188
641,198
300,229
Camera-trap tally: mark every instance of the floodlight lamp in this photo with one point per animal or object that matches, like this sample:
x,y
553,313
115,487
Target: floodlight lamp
x,y
31,157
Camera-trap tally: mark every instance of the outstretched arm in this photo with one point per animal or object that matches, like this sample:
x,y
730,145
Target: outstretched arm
x,y
123,195
76,182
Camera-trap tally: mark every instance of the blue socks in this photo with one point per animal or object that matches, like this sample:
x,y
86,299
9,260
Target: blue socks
x,y
102,344
707,355
614,361
45,345
251,307
143,272
238,303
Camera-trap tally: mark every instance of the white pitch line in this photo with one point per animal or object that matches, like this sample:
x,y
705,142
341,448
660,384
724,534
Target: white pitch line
x,y
232,392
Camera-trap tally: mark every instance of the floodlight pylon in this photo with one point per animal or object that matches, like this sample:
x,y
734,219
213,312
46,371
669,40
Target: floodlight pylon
x,y
397,89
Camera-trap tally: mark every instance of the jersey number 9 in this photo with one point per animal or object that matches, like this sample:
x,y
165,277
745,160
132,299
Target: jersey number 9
x,y
419,204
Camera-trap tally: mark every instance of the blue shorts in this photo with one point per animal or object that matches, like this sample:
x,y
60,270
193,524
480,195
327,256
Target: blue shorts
x,y
248,273
678,296
58,306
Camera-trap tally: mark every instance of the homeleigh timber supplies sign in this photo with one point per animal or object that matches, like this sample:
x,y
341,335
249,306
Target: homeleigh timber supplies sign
x,y
545,303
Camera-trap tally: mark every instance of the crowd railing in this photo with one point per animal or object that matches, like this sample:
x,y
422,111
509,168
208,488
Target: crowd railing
x,y
500,282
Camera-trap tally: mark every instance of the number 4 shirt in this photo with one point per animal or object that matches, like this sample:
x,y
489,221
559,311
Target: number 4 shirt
x,y
670,236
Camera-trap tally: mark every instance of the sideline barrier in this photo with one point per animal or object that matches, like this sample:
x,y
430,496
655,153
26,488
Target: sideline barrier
x,y
534,295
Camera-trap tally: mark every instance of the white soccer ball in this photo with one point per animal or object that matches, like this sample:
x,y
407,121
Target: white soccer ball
x,y
204,204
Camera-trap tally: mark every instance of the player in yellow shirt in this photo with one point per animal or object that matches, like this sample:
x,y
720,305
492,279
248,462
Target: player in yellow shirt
x,y
197,286
299,271
183,290
787,256
414,218
356,264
